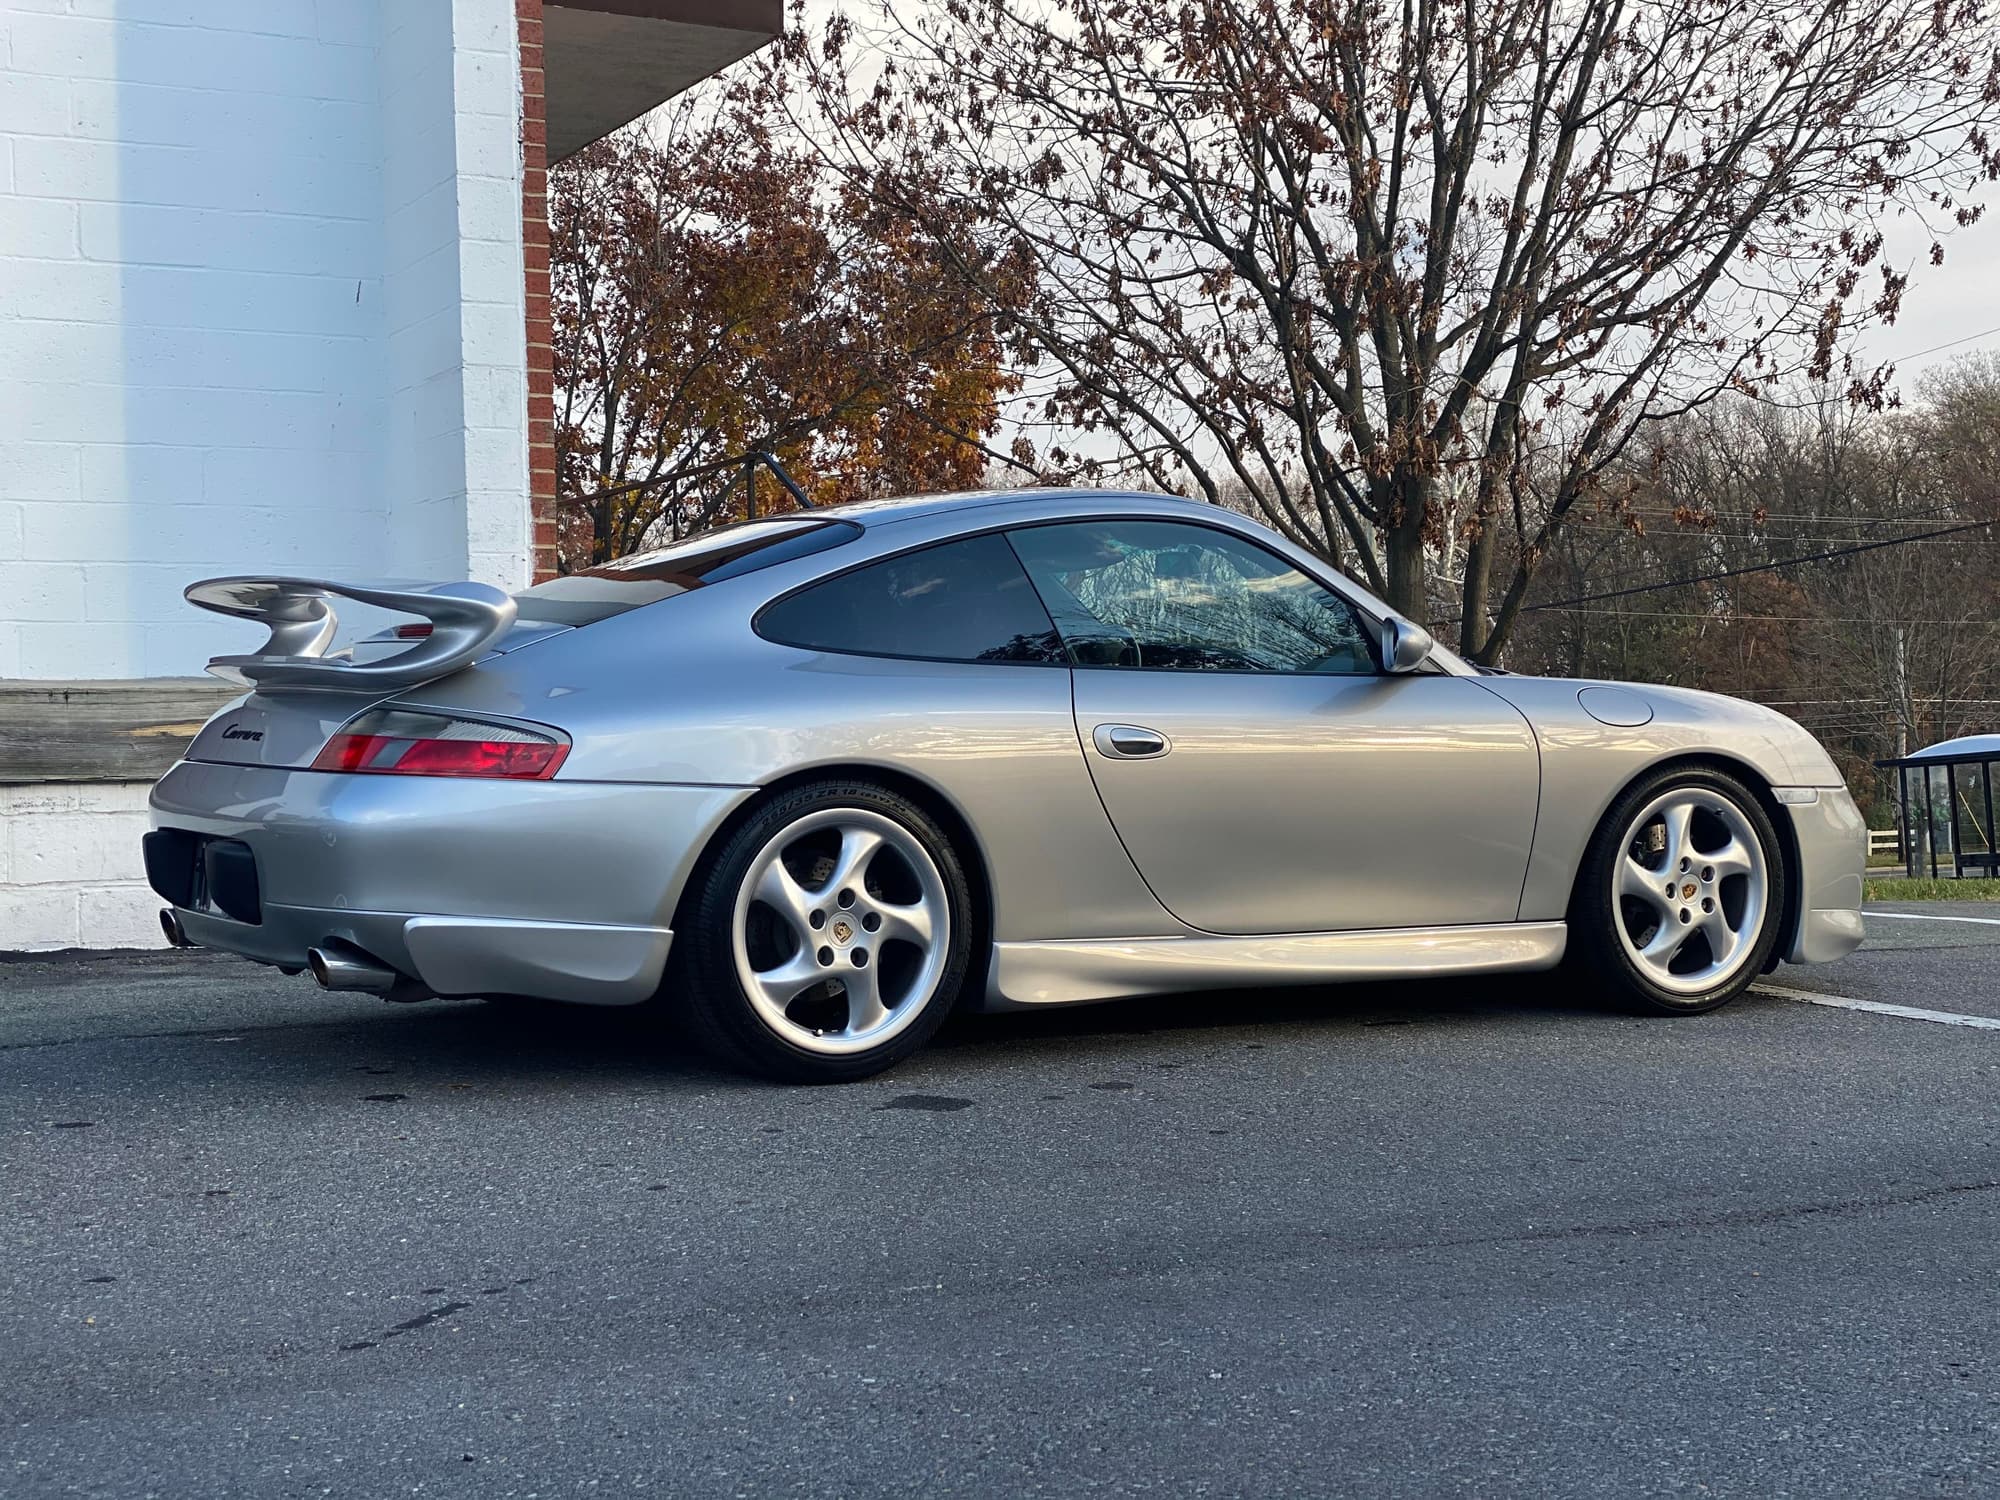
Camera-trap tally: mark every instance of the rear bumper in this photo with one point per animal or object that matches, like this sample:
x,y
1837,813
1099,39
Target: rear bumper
x,y
590,964
558,889
1832,840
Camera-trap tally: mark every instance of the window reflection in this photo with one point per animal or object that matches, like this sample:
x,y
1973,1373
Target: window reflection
x,y
1164,594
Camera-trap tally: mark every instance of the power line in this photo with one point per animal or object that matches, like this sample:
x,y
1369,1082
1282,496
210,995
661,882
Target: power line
x,y
1676,583
1913,518
1698,534
1737,617
1948,344
1865,525
1664,525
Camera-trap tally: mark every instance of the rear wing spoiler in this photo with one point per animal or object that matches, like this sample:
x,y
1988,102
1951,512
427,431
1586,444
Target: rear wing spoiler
x,y
466,618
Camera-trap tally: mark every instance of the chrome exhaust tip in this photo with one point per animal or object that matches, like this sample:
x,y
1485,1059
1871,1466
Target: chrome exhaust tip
x,y
170,924
339,967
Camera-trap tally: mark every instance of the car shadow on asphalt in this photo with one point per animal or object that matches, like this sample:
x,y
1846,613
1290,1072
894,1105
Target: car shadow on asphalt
x,y
287,1023
466,1038
1499,1000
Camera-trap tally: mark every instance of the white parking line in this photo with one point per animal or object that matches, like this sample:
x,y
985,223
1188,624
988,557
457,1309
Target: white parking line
x,y
1924,916
1907,1012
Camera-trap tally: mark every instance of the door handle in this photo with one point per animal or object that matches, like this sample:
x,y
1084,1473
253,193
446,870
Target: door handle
x,y
1129,741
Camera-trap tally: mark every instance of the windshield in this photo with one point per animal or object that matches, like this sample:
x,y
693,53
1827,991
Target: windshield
x,y
647,577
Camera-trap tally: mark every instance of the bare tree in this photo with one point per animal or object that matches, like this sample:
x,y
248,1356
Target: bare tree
x,y
1342,255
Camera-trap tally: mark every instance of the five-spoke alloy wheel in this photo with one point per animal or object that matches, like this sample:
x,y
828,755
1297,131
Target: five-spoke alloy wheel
x,y
1677,903
840,930
827,938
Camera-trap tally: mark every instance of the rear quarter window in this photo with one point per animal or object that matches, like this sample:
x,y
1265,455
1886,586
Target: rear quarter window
x,y
963,601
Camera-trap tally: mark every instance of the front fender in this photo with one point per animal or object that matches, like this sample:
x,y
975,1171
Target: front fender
x,y
1586,763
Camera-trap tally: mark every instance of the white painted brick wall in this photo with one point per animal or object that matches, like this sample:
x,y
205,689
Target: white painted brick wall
x,y
260,308
71,874
190,270
455,308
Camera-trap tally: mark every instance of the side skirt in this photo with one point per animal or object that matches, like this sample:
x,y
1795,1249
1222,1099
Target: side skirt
x,y
1078,971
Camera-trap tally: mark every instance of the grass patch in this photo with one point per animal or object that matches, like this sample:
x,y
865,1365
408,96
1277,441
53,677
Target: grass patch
x,y
1934,890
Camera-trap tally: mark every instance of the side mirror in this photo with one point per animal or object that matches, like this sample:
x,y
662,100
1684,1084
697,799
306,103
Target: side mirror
x,y
1406,645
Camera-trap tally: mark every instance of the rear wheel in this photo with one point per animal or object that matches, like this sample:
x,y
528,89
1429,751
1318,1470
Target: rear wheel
x,y
827,938
1678,904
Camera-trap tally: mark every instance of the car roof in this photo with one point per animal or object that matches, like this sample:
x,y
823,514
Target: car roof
x,y
870,513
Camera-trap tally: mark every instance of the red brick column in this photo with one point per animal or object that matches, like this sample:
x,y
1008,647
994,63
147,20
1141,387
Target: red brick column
x,y
535,255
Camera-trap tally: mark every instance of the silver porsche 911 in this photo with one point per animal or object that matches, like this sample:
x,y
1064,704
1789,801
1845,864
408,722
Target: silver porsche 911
x,y
809,782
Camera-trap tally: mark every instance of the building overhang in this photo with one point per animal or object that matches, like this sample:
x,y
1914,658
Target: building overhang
x,y
609,61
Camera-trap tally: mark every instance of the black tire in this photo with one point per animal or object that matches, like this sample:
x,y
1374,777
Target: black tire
x,y
703,992
1598,959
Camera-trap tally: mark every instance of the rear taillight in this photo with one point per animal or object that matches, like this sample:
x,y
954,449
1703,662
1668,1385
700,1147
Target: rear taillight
x,y
393,742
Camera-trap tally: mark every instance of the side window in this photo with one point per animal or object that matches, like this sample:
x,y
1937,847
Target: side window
x,y
960,601
1165,594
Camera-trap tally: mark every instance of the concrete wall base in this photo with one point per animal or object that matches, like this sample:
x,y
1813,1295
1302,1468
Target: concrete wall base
x,y
71,872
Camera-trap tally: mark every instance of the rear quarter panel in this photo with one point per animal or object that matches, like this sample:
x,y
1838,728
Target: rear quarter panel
x,y
684,692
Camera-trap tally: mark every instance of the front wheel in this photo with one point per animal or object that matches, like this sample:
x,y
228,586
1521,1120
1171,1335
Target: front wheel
x,y
828,937
1681,895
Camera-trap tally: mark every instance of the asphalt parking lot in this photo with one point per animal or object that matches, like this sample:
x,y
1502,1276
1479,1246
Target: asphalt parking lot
x,y
1441,1239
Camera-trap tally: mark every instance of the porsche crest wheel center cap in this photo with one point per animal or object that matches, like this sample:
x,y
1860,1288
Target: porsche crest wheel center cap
x,y
1686,891
843,931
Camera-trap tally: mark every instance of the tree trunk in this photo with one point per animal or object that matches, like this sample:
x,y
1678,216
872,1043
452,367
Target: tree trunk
x,y
1407,499
1472,631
